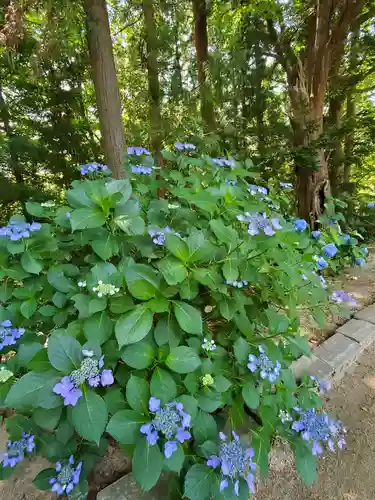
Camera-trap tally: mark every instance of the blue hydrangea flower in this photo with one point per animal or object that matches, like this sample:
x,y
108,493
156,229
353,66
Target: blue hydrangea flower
x,y
260,222
316,234
365,250
91,168
323,281
235,462
268,369
320,429
253,190
360,261
237,284
138,151
90,371
230,182
209,345
300,225
8,334
340,296
345,237
185,146
321,263
330,250
170,422
158,235
324,386
371,205
16,230
286,185
140,170
67,477
16,450
224,162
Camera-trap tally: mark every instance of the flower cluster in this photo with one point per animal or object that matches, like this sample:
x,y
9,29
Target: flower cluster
x,y
320,429
138,151
371,205
268,370
330,250
253,190
170,422
207,380
316,234
9,335
300,225
224,162
230,182
286,185
323,385
360,261
321,263
235,461
104,289
140,170
16,450
259,222
345,237
48,204
67,477
17,230
209,345
285,416
340,296
185,146
82,284
91,168
158,235
90,370
237,284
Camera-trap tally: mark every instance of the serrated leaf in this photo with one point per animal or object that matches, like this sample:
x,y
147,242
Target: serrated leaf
x,y
30,264
147,464
183,359
250,395
64,353
98,328
124,426
133,326
86,218
138,394
163,386
188,317
90,416
173,270
140,355
199,482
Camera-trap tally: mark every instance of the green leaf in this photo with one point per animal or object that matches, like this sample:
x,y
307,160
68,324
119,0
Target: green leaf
x,y
221,384
189,289
138,394
224,233
167,331
177,246
183,360
163,386
56,278
189,318
27,351
140,355
41,481
147,464
47,419
124,426
173,270
133,326
64,432
250,395
6,290
209,401
47,310
241,350
28,308
261,443
64,353
190,404
121,304
87,218
98,328
40,362
105,248
306,462
176,461
115,399
121,186
142,281
97,305
32,390
59,299
230,270
204,428
199,482
90,416
30,264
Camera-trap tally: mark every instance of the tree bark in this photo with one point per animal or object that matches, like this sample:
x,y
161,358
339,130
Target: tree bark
x,y
153,78
106,85
201,48
337,155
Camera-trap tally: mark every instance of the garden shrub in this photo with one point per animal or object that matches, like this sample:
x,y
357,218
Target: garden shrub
x,y
168,323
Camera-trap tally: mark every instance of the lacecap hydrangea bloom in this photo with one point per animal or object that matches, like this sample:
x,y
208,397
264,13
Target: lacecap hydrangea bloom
x,y
16,230
260,222
340,296
235,462
67,477
138,151
224,162
323,386
320,430
300,225
237,284
286,185
140,170
103,289
90,371
208,345
158,235
185,146
267,369
8,334
316,234
16,450
91,168
170,423
321,263
253,190
330,250
230,182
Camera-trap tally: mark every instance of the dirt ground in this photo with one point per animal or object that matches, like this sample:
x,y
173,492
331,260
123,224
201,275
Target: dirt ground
x,y
346,475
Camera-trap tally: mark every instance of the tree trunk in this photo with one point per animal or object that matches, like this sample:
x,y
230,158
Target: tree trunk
x,y
201,48
153,78
106,86
337,155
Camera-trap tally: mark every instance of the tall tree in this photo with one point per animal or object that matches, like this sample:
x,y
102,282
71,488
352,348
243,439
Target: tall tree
x,y
201,48
322,38
153,77
106,86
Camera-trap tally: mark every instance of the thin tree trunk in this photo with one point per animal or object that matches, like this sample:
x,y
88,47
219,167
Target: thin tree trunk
x,y
153,78
337,155
106,85
201,47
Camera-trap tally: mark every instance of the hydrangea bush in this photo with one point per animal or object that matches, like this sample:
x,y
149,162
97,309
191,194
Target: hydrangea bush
x,y
168,324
